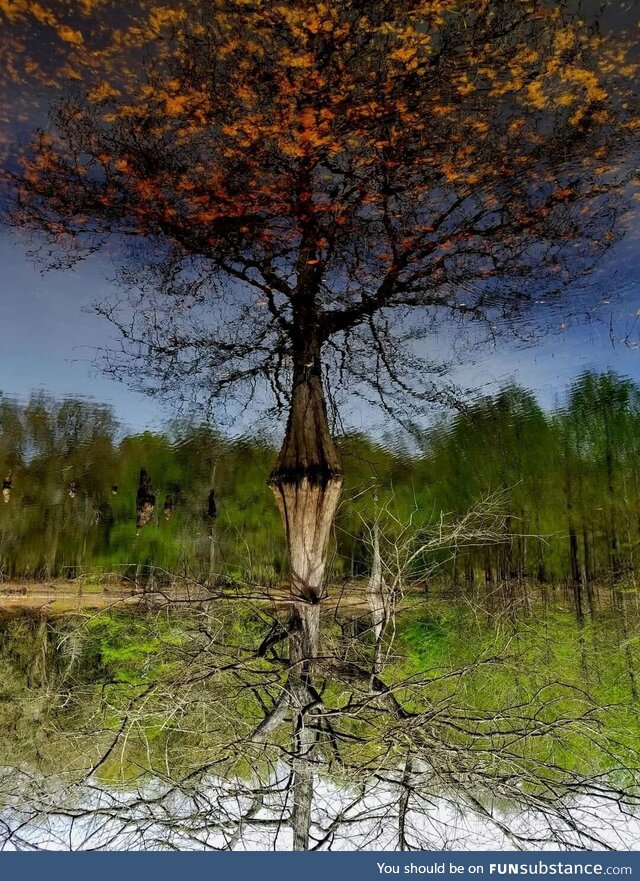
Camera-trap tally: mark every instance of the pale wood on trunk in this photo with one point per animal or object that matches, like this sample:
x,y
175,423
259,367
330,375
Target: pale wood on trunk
x,y
377,599
307,483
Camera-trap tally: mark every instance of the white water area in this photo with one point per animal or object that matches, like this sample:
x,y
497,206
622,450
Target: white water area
x,y
222,815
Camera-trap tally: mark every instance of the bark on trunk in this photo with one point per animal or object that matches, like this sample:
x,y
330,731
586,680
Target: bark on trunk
x,y
305,739
304,636
307,482
307,508
403,805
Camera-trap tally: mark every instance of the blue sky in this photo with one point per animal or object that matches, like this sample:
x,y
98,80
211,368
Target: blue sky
x,y
49,340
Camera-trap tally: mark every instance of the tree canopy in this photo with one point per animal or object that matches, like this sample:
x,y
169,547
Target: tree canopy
x,y
290,173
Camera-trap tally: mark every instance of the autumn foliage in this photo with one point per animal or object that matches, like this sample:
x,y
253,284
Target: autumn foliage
x,y
360,155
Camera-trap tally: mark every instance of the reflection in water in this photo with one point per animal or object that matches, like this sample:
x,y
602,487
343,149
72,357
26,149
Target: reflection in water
x,y
568,515
190,726
280,252
470,680
226,816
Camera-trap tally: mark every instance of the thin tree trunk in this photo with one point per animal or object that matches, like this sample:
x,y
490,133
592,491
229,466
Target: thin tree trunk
x,y
305,739
588,572
403,805
627,642
212,561
576,579
304,637
488,571
210,517
378,600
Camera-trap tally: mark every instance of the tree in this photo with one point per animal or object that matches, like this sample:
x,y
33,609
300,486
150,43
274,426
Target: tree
x,y
309,186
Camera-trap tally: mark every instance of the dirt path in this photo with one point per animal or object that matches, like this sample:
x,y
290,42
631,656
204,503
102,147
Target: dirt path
x,y
62,596
74,596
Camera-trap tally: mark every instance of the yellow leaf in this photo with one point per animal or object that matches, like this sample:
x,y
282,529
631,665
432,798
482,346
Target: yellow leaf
x,y
69,35
103,92
175,104
405,53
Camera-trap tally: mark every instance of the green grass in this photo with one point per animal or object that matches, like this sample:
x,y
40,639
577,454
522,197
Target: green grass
x,y
72,680
548,667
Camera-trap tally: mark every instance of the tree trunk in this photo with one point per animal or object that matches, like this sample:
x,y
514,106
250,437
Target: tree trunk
x,y
576,580
403,805
307,482
304,741
378,600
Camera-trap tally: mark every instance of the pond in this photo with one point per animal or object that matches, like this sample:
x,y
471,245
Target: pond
x,y
361,578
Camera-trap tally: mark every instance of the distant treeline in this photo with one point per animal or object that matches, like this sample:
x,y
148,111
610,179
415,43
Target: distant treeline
x,y
569,482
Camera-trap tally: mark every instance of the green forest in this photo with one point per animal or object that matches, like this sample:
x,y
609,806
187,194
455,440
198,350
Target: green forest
x,y
562,489
507,537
